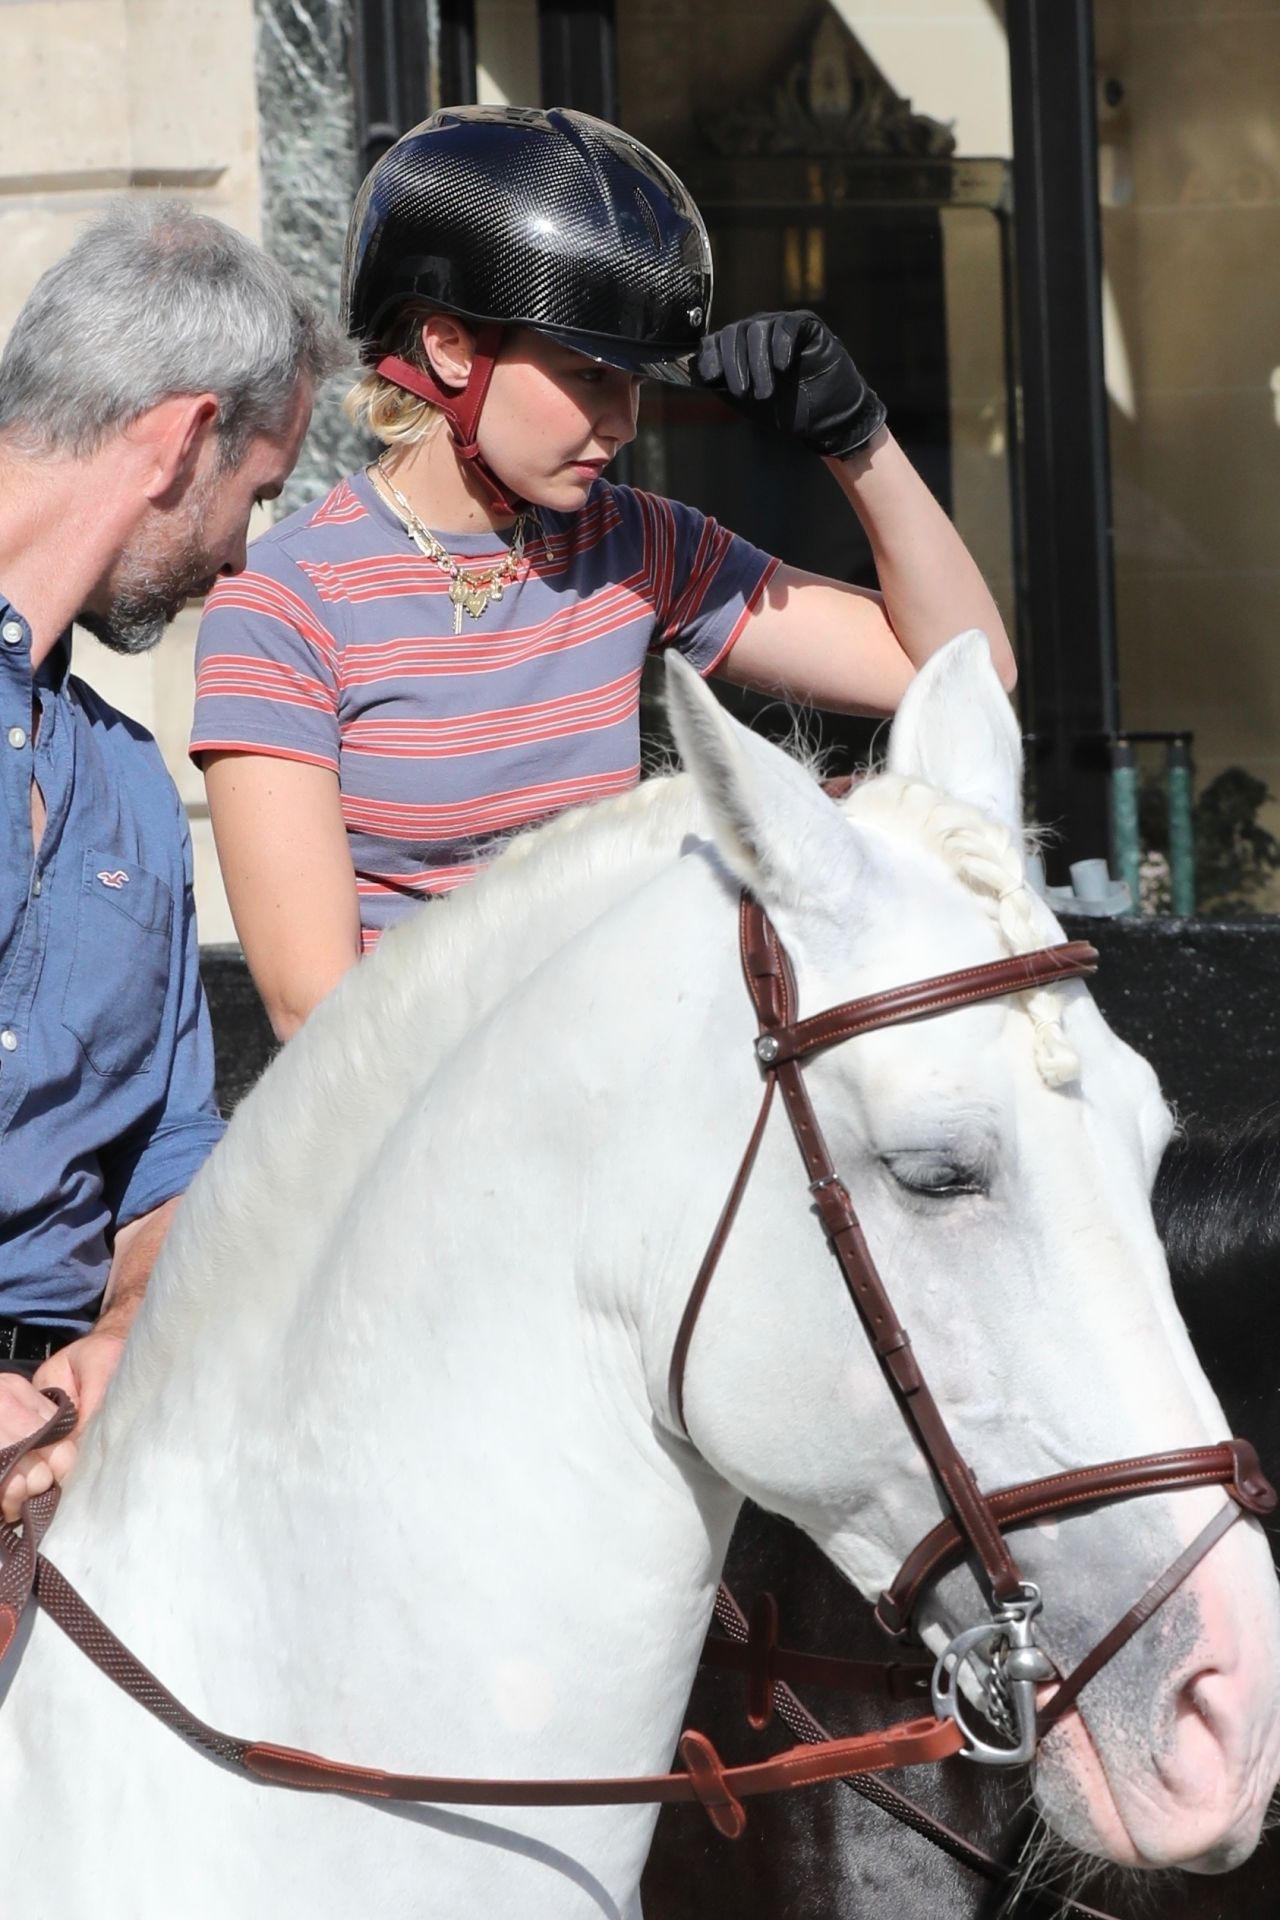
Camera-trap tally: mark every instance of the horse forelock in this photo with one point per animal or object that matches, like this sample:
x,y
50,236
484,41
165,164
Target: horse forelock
x,y
991,861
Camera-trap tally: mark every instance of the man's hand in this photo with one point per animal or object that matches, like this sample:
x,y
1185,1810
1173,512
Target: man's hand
x,y
23,1410
788,370
83,1370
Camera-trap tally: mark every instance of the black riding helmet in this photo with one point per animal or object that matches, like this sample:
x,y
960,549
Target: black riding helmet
x,y
511,216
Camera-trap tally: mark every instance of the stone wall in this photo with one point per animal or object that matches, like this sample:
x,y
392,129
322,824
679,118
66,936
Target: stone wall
x,y
129,96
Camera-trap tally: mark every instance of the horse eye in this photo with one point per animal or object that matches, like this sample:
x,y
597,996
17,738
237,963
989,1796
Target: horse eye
x,y
933,1176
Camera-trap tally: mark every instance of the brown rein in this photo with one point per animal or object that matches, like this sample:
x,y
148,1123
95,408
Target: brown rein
x,y
978,1522
706,1780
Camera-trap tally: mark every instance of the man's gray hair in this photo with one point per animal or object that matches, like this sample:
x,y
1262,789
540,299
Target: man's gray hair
x,y
155,299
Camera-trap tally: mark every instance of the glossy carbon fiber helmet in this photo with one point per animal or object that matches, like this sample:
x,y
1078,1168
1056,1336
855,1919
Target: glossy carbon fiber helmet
x,y
518,217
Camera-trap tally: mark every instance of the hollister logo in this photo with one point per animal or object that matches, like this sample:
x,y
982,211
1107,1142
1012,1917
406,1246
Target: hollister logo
x,y
117,879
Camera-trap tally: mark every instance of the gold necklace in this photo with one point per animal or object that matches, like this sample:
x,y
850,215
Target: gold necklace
x,y
470,592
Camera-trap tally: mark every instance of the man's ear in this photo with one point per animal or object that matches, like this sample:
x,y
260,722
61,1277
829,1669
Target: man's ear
x,y
450,347
171,438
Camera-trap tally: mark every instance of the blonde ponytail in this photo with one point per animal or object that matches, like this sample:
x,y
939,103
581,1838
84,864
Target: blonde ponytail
x,y
378,406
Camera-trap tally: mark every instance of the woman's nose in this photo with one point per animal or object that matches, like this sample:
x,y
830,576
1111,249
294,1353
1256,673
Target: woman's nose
x,y
618,422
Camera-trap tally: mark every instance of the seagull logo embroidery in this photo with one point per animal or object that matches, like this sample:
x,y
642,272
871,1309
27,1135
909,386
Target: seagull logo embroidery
x,y
117,879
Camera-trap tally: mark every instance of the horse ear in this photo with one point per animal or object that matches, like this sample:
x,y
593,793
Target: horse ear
x,y
956,731
774,828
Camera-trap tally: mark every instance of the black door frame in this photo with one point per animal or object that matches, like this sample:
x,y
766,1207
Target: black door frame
x,y
1071,699
578,56
409,57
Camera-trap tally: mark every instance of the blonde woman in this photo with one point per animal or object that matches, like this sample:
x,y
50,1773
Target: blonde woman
x,y
449,645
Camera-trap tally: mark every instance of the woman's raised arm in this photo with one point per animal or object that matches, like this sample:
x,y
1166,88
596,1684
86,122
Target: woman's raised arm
x,y
821,640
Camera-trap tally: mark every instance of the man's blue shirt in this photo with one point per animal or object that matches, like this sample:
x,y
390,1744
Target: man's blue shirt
x,y
106,1059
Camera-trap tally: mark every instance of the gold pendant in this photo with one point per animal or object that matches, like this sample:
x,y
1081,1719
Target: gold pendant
x,y
467,598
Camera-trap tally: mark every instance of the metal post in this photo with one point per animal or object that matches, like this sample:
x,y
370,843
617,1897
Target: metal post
x,y
1070,660
1126,842
1182,839
455,77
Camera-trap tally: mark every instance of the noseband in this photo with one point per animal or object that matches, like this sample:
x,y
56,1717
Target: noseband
x,y
1003,1645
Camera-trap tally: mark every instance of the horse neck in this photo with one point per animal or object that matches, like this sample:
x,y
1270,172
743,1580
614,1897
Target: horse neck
x,y
257,1224
476,1357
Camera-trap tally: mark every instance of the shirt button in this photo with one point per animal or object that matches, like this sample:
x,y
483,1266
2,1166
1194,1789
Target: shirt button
x,y
17,736
8,1040
11,633
37,886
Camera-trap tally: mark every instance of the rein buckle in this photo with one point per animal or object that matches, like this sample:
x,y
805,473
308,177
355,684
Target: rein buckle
x,y
1015,1667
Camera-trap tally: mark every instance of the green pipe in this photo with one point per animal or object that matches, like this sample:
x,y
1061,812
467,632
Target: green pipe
x,y
1182,841
1126,845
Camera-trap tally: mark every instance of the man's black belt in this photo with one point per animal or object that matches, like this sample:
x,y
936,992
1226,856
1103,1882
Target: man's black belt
x,y
26,1341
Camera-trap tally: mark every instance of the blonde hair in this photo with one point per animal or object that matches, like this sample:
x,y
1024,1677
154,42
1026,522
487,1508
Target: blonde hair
x,y
378,406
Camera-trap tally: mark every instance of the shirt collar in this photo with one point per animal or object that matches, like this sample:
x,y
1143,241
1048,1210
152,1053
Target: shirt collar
x,y
55,666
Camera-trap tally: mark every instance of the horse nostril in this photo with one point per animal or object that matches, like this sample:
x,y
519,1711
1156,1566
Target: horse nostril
x,y
1200,1737
1196,1699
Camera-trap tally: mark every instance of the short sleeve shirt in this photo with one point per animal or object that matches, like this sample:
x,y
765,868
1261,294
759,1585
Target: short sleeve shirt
x,y
106,1057
337,647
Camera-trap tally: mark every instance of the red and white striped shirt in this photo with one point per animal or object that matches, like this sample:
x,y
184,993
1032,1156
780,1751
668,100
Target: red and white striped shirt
x,y
336,646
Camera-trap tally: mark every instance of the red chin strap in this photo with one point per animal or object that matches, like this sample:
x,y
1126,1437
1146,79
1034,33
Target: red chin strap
x,y
461,410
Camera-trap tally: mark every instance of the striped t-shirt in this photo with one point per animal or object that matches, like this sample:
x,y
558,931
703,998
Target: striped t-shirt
x,y
336,647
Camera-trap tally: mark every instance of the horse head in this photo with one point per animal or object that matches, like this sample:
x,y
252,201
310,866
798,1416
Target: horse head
x,y
1000,1158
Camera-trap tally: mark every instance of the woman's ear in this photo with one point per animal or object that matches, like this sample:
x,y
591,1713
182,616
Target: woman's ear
x,y
450,348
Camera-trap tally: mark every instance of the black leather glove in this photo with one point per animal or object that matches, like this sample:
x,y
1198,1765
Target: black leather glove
x,y
788,370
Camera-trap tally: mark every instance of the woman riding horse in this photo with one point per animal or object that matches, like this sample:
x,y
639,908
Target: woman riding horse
x,y
448,646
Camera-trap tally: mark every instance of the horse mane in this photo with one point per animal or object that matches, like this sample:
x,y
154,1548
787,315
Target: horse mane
x,y
305,1134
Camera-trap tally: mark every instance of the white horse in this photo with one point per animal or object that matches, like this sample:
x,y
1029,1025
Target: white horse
x,y
390,1471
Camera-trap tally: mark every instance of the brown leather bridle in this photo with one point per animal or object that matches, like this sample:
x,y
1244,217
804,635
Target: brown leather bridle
x,y
1004,1645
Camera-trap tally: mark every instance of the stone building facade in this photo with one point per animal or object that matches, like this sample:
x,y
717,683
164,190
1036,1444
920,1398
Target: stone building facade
x,y
129,96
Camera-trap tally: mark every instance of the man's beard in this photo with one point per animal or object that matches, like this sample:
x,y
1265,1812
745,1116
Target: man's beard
x,y
150,586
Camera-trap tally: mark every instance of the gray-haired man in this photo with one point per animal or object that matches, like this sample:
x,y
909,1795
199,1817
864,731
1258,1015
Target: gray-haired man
x,y
156,385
